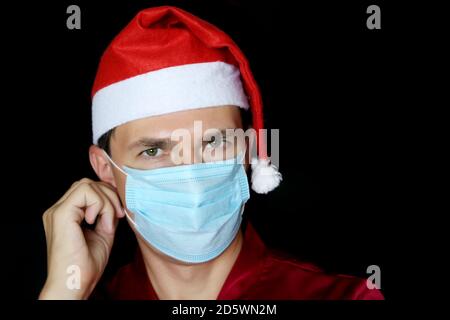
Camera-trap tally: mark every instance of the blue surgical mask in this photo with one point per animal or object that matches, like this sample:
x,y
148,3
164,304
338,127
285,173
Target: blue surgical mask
x,y
191,213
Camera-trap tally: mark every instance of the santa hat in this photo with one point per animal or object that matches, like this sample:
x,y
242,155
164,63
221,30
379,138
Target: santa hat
x,y
167,60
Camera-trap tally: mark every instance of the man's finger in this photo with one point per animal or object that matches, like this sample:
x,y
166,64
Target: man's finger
x,y
113,197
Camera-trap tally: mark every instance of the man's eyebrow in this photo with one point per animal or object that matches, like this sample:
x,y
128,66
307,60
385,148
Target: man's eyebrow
x,y
166,142
150,142
224,131
229,132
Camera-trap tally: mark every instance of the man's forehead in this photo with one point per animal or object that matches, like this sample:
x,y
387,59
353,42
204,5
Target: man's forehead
x,y
162,126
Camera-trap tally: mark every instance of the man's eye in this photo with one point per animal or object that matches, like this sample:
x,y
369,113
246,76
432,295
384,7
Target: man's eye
x,y
152,152
215,143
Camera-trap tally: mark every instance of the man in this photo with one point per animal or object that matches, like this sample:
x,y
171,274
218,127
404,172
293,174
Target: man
x,y
169,89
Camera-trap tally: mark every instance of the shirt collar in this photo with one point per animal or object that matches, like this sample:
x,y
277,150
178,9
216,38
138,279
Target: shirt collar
x,y
243,275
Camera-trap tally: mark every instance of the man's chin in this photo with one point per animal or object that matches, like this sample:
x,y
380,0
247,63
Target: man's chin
x,y
144,245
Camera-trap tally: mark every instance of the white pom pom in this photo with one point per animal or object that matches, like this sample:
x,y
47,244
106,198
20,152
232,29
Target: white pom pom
x,y
265,176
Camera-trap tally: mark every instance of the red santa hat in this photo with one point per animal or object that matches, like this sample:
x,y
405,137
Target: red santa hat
x,y
167,60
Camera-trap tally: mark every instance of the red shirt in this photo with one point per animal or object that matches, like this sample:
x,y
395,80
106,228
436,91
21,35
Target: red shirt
x,y
258,273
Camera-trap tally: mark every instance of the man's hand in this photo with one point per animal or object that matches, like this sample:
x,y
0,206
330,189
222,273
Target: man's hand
x,y
68,244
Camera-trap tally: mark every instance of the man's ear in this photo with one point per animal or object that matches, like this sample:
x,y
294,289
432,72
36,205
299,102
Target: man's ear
x,y
101,165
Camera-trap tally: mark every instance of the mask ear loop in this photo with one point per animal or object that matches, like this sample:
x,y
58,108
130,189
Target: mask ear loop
x,y
121,170
129,218
241,157
114,164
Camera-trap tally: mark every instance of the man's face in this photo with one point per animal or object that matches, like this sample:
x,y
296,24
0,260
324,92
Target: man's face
x,y
148,143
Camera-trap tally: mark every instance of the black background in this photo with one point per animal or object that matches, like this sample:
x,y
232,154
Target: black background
x,y
330,85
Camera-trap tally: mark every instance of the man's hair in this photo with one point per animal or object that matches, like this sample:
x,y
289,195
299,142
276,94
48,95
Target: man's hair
x,y
104,141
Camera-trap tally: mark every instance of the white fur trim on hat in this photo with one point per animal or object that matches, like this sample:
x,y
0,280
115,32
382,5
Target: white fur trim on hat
x,y
191,86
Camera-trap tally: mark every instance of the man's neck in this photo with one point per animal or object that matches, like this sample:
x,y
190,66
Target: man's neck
x,y
173,280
